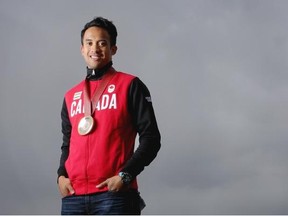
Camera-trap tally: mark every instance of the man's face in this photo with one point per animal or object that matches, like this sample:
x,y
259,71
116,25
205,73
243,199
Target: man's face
x,y
96,48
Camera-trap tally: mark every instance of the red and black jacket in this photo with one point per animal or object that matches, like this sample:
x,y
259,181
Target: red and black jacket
x,y
124,109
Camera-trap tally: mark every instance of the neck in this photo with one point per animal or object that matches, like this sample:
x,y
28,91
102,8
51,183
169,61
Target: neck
x,y
95,74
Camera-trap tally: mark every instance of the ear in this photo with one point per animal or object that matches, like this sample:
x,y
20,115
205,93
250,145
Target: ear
x,y
81,49
114,50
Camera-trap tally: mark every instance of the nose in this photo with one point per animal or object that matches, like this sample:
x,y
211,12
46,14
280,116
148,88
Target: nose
x,y
95,47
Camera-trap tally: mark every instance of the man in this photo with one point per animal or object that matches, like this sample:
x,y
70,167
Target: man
x,y
100,119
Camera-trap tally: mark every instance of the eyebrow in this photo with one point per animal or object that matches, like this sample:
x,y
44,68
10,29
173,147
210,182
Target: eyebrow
x,y
98,40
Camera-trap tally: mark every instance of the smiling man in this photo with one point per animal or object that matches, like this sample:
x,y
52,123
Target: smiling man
x,y
101,117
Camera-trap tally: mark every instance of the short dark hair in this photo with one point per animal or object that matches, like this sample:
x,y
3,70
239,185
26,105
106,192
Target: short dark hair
x,y
102,23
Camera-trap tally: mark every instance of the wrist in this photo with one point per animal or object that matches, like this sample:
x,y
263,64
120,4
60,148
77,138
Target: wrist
x,y
60,177
126,178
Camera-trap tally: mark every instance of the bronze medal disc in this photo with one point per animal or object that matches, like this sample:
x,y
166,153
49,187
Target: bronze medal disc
x,y
85,125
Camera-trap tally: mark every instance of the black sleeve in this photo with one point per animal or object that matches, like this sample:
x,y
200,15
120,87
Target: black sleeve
x,y
141,109
66,131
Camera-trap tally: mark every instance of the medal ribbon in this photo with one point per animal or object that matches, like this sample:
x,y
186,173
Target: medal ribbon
x,y
97,94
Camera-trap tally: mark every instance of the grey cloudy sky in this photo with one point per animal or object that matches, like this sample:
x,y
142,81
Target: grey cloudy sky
x,y
217,72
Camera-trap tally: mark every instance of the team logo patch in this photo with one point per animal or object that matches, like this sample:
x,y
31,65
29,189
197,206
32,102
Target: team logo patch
x,y
111,88
148,99
77,95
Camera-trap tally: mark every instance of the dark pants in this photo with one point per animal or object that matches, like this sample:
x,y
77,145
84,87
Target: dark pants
x,y
120,203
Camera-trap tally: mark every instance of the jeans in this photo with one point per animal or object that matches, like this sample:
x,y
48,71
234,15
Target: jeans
x,y
105,203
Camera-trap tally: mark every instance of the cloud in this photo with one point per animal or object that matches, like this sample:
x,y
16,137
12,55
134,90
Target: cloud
x,y
217,74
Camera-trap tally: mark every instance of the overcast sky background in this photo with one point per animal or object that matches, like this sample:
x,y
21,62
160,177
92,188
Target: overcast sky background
x,y
217,72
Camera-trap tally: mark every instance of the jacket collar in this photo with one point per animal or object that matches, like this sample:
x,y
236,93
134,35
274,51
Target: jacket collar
x,y
95,74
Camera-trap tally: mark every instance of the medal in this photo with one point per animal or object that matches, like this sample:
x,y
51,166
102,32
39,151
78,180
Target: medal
x,y
85,125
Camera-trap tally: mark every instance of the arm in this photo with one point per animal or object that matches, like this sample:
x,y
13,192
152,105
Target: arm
x,y
141,109
63,180
66,131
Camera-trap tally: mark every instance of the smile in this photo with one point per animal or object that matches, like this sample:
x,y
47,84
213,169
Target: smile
x,y
95,57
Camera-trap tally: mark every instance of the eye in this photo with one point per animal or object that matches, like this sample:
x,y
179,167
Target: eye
x,y
102,43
